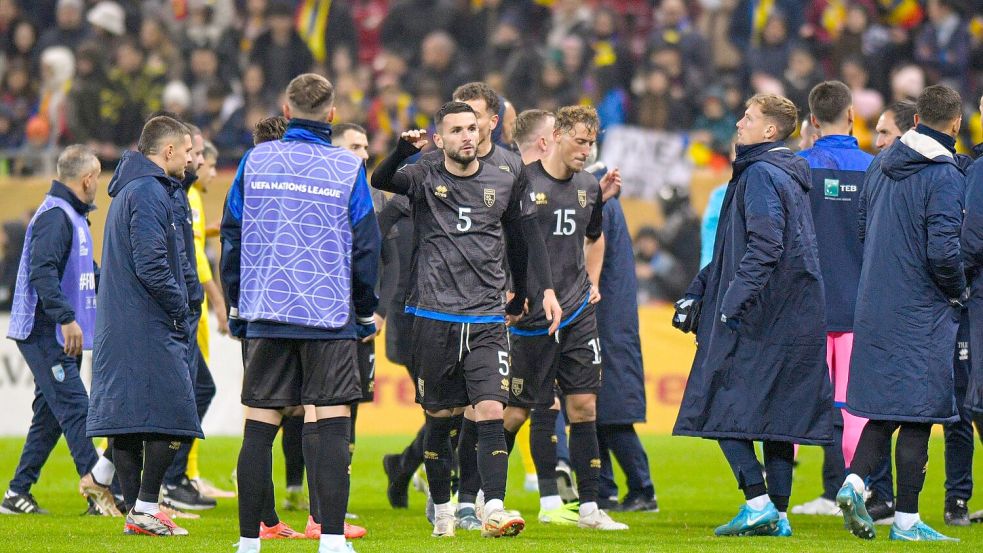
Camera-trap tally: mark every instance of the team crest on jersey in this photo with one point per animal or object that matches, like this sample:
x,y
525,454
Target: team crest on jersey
x,y
517,386
489,197
440,191
582,197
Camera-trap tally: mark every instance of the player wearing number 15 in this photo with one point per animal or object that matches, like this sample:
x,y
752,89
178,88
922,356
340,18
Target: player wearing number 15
x,y
461,208
570,203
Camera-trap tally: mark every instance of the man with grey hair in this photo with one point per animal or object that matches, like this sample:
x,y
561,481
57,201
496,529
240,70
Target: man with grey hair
x,y
52,321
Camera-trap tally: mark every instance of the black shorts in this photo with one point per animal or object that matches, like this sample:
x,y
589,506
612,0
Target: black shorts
x,y
459,364
568,361
366,370
281,372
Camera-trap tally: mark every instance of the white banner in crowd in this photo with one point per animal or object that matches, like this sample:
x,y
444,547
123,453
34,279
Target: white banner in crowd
x,y
225,416
649,160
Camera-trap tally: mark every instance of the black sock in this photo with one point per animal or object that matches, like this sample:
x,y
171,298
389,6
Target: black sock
x,y
311,439
586,459
510,440
467,460
493,460
158,454
911,457
779,460
254,474
455,441
333,473
293,450
412,456
542,446
128,460
437,458
351,436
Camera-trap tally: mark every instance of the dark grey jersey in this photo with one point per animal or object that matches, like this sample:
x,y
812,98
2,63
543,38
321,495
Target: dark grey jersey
x,y
500,157
459,249
568,212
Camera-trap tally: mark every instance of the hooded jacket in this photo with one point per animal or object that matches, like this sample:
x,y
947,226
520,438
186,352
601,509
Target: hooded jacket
x,y
910,215
140,376
762,374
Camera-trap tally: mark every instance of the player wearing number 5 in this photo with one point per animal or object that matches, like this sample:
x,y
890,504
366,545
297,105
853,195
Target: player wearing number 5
x,y
461,208
569,203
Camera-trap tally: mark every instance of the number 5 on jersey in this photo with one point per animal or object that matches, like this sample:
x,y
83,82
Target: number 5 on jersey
x,y
463,219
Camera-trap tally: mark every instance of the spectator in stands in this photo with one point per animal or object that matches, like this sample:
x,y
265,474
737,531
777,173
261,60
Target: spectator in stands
x,y
176,99
69,29
24,46
715,124
440,62
656,108
942,47
280,51
751,19
770,55
9,16
108,22
675,28
408,22
163,55
800,76
203,74
254,92
569,18
907,82
57,70
18,95
133,91
84,121
611,49
554,89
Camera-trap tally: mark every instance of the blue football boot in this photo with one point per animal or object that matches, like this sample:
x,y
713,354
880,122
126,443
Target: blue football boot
x,y
749,521
782,530
918,532
855,517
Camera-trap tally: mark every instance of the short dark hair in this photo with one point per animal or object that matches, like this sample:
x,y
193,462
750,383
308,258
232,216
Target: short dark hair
x,y
451,108
904,114
938,105
341,128
310,94
271,128
527,122
157,130
479,91
829,100
780,110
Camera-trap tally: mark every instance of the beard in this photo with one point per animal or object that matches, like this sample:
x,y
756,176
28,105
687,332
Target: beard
x,y
178,173
463,159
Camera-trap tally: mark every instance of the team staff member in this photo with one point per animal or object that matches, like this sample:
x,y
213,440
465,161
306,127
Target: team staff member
x,y
910,218
302,305
142,391
53,320
761,326
461,209
838,166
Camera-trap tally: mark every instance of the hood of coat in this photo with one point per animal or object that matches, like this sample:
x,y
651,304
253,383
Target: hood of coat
x,y
777,154
132,166
912,153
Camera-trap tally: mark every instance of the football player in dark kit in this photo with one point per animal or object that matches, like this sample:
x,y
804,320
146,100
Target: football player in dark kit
x,y
461,210
569,206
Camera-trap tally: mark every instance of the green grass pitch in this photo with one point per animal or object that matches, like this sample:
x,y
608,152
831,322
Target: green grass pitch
x,y
696,492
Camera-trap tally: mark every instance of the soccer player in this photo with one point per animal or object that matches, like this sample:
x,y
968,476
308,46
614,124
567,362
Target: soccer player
x,y
569,213
486,104
142,392
838,166
910,217
759,317
302,306
53,320
460,210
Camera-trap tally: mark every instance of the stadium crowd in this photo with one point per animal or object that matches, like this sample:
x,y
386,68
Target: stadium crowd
x,y
84,71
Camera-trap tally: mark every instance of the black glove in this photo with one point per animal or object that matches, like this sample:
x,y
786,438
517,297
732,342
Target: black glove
x,y
687,315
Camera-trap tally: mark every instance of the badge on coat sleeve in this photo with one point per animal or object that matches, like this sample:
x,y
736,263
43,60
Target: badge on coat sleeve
x,y
58,372
582,197
489,197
